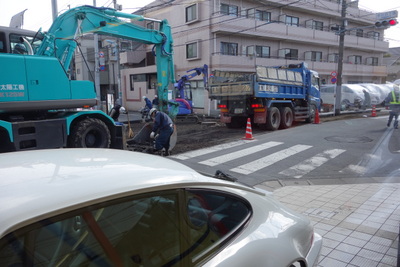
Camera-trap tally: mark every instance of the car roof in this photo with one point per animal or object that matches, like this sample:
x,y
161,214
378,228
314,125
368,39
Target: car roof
x,y
42,183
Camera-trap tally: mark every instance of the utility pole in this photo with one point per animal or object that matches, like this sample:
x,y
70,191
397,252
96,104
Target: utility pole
x,y
117,44
96,67
54,9
342,32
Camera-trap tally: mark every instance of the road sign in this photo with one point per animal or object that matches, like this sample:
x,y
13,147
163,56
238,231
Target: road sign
x,y
387,15
333,73
333,80
101,54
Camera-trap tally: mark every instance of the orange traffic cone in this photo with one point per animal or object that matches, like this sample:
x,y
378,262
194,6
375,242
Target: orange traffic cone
x,y
373,114
316,119
249,133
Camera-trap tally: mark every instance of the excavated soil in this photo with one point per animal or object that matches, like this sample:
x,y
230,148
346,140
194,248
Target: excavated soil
x,y
210,132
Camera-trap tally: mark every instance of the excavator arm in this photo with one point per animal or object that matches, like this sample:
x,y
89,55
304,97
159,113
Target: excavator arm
x,y
180,84
60,40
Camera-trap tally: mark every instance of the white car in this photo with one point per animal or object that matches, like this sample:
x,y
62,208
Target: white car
x,y
105,207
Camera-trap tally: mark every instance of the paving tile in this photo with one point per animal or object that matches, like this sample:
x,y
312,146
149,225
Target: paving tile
x,y
387,234
329,262
329,243
355,242
363,262
392,252
325,251
377,247
361,235
335,236
367,229
348,248
341,230
381,241
341,256
371,255
390,228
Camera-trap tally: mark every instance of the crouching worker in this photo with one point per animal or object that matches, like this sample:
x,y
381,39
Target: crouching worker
x,y
164,126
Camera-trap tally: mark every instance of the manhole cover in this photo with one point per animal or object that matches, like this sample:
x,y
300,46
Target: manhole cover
x,y
349,139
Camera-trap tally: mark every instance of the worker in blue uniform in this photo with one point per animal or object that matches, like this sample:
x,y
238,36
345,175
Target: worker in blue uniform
x,y
164,126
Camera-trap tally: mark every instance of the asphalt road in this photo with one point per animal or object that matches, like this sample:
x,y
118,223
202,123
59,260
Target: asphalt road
x,y
341,151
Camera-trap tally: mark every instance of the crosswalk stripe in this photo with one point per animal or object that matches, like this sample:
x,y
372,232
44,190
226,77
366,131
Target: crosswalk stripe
x,y
238,154
204,151
297,171
269,160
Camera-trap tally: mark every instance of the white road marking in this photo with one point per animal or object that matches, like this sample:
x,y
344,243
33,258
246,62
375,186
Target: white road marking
x,y
238,154
269,160
204,151
298,170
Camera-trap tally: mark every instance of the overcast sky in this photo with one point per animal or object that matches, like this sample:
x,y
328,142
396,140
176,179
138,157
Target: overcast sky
x,y
39,12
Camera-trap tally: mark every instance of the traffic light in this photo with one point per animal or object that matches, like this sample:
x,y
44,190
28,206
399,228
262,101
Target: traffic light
x,y
386,23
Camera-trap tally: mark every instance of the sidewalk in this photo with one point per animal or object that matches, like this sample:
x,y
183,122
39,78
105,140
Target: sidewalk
x,y
359,222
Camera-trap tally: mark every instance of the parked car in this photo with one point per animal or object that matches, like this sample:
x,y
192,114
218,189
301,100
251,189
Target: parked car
x,y
353,96
104,207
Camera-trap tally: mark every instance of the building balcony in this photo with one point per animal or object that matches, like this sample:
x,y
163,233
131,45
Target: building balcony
x,y
249,63
278,31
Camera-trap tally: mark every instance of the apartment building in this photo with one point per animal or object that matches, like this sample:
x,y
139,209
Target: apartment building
x,y
237,35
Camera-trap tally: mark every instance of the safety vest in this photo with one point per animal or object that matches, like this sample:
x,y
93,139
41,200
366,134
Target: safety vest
x,y
394,99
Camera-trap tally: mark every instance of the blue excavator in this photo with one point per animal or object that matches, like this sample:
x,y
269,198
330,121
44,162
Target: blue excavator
x,y
184,94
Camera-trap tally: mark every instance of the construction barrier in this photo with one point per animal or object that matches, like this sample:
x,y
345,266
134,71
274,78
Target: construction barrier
x,y
249,132
316,119
373,113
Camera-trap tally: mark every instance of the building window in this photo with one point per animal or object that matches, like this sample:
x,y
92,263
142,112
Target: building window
x,y
355,59
293,21
359,33
262,15
192,51
313,56
250,13
318,25
372,61
289,53
136,78
230,10
229,49
191,13
373,35
262,51
250,51
333,58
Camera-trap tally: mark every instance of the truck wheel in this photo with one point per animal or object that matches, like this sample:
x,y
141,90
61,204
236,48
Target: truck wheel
x,y
273,119
286,117
90,133
311,118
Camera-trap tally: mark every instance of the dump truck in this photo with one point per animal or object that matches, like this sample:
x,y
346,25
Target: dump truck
x,y
272,97
41,107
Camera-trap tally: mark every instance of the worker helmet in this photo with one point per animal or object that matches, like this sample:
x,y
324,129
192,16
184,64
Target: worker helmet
x,y
152,111
144,97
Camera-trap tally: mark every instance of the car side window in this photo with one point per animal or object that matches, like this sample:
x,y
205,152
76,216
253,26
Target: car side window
x,y
213,218
167,228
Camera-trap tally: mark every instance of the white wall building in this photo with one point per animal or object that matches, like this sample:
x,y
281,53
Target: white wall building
x,y
237,35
